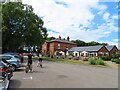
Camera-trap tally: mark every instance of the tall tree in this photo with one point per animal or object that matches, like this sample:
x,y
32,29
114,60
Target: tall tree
x,y
93,43
50,38
21,27
80,42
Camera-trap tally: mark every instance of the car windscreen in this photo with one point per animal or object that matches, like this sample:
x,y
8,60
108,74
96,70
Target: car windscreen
x,y
16,56
6,57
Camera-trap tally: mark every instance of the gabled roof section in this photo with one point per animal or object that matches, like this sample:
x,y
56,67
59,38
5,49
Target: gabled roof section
x,y
110,47
86,48
62,41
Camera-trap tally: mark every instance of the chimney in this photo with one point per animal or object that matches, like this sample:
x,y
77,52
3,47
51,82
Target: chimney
x,y
68,39
59,37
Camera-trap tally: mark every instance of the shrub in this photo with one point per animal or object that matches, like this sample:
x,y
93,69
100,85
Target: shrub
x,y
71,55
106,58
114,56
51,56
100,62
92,61
95,61
48,55
35,57
118,61
113,60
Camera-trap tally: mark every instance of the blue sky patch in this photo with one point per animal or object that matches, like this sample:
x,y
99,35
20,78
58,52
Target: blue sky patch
x,y
52,31
61,3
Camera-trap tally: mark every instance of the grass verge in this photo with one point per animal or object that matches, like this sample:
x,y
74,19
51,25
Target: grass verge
x,y
69,61
65,60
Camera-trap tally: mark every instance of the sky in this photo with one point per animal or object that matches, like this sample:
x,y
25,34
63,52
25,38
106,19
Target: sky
x,y
87,20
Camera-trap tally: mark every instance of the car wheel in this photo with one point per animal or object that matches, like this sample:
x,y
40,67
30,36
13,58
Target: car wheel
x,y
13,67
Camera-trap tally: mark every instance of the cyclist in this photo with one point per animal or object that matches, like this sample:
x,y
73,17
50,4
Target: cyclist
x,y
29,64
40,61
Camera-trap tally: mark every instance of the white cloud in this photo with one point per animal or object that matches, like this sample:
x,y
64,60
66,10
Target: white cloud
x,y
66,20
115,16
78,12
102,9
109,42
116,40
106,16
107,32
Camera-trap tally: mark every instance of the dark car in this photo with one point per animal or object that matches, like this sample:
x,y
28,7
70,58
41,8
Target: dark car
x,y
16,55
6,67
4,81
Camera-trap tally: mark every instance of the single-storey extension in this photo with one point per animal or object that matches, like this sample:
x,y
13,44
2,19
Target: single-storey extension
x,y
100,50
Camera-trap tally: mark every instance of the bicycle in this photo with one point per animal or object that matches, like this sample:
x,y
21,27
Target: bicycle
x,y
28,68
39,64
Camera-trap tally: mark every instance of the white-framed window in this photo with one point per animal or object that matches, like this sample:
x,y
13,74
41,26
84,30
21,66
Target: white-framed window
x,y
45,47
101,53
50,45
107,53
58,45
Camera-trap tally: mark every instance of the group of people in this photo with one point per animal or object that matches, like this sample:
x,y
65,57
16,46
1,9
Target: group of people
x,y
30,61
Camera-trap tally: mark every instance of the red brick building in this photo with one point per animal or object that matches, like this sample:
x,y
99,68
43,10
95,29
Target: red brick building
x,y
57,46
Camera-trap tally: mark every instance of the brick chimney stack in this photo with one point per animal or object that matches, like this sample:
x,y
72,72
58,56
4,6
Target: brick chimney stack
x,y
59,37
68,39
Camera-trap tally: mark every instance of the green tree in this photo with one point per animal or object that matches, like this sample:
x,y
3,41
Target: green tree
x,y
21,27
93,43
50,38
80,42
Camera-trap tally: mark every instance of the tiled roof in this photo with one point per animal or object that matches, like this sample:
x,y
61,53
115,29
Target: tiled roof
x,y
62,41
86,48
91,48
110,47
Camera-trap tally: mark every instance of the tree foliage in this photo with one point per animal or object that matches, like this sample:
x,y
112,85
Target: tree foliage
x,y
82,43
50,38
21,27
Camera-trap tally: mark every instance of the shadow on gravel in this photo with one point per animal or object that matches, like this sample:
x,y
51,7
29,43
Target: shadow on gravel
x,y
23,65
34,71
42,67
19,70
14,84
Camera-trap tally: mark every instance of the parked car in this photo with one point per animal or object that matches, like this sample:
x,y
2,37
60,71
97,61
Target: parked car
x,y
16,62
17,55
4,81
6,66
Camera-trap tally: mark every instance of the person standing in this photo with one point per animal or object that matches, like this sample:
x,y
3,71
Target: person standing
x,y
40,61
30,61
